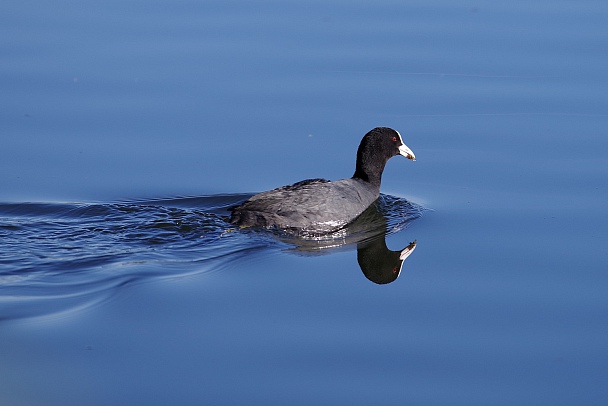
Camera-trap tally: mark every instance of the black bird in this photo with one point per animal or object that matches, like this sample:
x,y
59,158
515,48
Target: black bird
x,y
318,206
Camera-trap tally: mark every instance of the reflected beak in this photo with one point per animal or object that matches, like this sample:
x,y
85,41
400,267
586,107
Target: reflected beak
x,y
406,152
407,251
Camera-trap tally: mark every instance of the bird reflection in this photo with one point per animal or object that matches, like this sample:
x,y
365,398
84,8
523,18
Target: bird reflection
x,y
377,262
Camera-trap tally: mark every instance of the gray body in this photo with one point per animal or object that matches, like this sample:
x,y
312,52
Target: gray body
x,y
314,205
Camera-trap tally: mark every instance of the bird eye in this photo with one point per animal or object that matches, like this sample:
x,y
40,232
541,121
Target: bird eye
x,y
394,139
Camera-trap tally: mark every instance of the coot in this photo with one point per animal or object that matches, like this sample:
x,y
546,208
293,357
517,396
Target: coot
x,y
318,206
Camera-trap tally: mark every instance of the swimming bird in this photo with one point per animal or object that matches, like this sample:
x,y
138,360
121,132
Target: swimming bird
x,y
319,206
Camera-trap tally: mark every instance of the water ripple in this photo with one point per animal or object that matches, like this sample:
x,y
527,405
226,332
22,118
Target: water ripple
x,y
61,257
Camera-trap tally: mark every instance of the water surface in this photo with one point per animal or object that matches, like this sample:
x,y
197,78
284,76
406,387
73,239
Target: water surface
x,y
116,289
62,257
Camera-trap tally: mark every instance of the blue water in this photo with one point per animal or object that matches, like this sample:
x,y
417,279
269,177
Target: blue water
x,y
58,257
128,129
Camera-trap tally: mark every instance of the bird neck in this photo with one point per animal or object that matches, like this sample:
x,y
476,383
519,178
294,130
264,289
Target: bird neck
x,y
370,175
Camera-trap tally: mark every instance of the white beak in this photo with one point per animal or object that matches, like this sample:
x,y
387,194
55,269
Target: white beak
x,y
407,251
406,152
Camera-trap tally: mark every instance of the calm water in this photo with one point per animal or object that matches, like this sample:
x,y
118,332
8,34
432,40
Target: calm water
x,y
128,129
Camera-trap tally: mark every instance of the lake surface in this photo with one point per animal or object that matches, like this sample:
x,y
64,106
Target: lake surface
x,y
128,130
